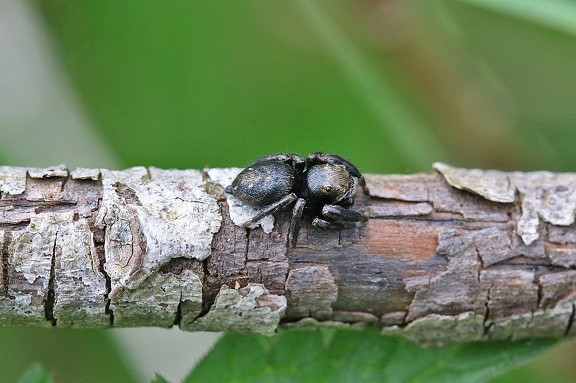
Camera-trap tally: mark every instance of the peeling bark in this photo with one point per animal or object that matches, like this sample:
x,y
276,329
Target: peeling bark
x,y
444,257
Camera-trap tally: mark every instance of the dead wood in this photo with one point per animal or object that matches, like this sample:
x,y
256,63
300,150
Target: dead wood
x,y
448,256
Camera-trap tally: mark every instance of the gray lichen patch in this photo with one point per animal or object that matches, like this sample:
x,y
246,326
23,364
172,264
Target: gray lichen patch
x,y
543,195
469,285
551,322
393,318
239,211
12,180
25,308
355,317
33,248
509,292
59,171
28,274
251,309
456,289
493,185
562,234
464,205
77,278
311,291
311,323
153,216
157,300
85,174
563,257
555,287
492,244
53,260
440,330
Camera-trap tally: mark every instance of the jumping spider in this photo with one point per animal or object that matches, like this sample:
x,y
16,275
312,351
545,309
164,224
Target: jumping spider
x,y
323,184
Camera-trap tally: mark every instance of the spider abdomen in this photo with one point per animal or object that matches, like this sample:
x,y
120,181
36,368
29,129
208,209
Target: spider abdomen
x,y
263,183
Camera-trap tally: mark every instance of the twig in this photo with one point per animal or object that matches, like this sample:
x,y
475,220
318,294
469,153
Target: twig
x,y
445,257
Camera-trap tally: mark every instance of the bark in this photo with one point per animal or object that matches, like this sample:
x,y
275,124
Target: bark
x,y
444,257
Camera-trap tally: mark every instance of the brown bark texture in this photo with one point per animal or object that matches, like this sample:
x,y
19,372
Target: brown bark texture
x,y
453,255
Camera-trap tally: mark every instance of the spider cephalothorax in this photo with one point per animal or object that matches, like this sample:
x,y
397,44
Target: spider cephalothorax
x,y
323,184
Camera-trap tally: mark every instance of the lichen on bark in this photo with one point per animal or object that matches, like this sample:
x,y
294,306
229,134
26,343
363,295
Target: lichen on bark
x,y
462,254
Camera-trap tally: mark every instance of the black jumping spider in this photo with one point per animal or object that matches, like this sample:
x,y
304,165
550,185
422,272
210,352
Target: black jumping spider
x,y
323,184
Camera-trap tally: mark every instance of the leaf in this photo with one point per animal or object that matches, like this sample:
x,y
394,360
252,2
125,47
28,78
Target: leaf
x,y
35,374
159,379
554,14
270,76
356,356
73,356
382,99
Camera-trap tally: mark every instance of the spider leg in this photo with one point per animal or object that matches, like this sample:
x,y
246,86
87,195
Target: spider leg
x,y
297,212
347,199
270,209
326,225
337,217
323,158
339,213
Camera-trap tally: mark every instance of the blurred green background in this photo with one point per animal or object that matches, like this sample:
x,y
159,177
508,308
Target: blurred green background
x,y
391,85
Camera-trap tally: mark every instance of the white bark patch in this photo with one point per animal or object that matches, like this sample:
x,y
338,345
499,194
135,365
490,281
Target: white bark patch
x,y
440,330
12,180
21,310
24,301
251,309
33,248
85,174
77,278
493,185
155,302
239,211
151,218
68,240
563,257
544,195
55,171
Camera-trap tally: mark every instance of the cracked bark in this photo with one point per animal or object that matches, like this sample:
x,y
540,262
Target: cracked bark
x,y
445,257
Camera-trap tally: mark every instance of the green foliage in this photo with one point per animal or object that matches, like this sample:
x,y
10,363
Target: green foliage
x,y
159,379
198,83
473,82
35,374
356,356
80,355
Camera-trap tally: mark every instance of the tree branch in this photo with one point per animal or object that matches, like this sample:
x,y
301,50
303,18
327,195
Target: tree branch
x,y
445,257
